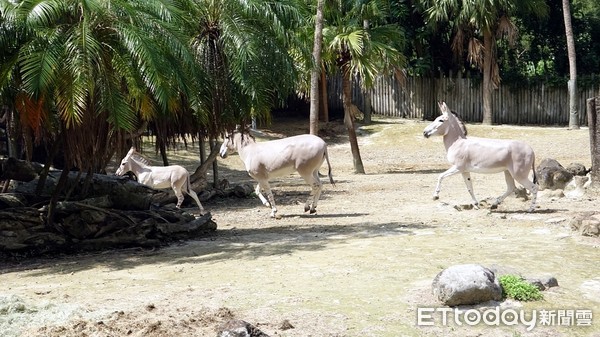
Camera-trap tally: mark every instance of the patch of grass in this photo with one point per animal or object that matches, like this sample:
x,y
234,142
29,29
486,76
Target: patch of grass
x,y
517,288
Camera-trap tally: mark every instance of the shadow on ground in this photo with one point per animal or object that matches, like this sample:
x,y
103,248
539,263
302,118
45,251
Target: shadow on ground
x,y
224,244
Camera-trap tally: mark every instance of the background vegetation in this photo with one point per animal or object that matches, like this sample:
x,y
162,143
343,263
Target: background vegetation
x,y
83,78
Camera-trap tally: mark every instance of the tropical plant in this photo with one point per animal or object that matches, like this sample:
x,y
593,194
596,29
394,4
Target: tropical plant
x,y
477,26
517,288
243,48
85,71
360,52
80,74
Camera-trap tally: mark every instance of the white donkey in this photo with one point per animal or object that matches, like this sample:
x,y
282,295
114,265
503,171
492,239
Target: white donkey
x,y
265,160
174,176
483,155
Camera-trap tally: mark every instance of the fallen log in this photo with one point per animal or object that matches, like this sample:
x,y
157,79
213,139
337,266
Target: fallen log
x,y
83,227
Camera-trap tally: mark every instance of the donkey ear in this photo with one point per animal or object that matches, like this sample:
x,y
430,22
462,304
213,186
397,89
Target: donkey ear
x,y
131,150
443,107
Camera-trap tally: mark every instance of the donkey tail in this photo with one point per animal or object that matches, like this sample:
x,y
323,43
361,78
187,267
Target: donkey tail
x,y
188,185
535,180
329,166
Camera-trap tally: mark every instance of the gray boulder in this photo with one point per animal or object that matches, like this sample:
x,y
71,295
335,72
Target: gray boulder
x,y
552,175
577,169
466,284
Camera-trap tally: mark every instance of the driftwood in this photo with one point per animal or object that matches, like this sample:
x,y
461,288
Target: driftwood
x,y
115,212
20,170
84,227
112,212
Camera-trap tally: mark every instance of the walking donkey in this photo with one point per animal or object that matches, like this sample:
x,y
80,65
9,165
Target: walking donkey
x,y
159,177
482,155
265,160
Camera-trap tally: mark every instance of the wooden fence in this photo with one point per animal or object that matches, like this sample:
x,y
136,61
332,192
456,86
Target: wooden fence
x,y
416,99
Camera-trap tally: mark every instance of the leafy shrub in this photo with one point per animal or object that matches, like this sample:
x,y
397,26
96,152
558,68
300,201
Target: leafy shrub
x,y
517,288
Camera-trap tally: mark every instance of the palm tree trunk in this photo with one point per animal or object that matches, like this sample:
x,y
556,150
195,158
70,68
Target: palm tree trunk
x,y
593,115
315,72
487,77
163,150
323,102
366,96
349,122
573,114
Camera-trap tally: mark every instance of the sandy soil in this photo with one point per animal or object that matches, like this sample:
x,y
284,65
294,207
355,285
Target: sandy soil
x,y
361,266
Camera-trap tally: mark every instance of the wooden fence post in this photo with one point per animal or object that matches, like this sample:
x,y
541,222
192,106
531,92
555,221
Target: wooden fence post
x,y
593,114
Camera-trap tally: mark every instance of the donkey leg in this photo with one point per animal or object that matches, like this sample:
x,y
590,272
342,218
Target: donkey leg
x,y
194,196
270,200
262,198
315,194
533,189
469,183
451,171
179,195
510,188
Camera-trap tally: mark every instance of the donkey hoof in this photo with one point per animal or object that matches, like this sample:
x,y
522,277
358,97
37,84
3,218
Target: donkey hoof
x,y
494,206
435,197
313,211
306,209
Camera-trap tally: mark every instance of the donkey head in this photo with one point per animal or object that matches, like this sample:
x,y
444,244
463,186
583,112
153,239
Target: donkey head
x,y
125,163
439,125
234,141
444,123
228,145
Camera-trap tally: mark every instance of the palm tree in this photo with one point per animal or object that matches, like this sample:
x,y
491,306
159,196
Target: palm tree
x,y
360,53
475,21
243,48
86,71
80,74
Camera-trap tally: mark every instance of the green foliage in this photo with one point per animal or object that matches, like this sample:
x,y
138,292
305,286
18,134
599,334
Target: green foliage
x,y
517,288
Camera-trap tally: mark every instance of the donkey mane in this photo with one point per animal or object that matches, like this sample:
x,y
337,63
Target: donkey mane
x,y
246,138
140,159
460,122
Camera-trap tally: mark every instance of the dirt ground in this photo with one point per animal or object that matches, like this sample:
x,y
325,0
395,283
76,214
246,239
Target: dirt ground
x,y
361,266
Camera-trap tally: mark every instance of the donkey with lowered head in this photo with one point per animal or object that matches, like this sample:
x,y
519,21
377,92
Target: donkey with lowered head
x,y
159,177
265,160
483,155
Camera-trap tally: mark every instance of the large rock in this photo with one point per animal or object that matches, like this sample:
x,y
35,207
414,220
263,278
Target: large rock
x,y
466,284
552,175
586,223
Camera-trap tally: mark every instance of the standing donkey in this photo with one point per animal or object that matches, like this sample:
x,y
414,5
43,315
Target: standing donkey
x,y
265,160
174,176
482,155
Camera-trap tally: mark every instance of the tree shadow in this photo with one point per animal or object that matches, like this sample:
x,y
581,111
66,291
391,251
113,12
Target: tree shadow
x,y
224,245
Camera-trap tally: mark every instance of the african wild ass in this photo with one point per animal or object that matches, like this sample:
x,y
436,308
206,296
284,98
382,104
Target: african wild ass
x,y
265,160
174,176
483,155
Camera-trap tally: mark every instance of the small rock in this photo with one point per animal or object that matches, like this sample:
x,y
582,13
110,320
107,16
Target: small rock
x,y
239,328
286,325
